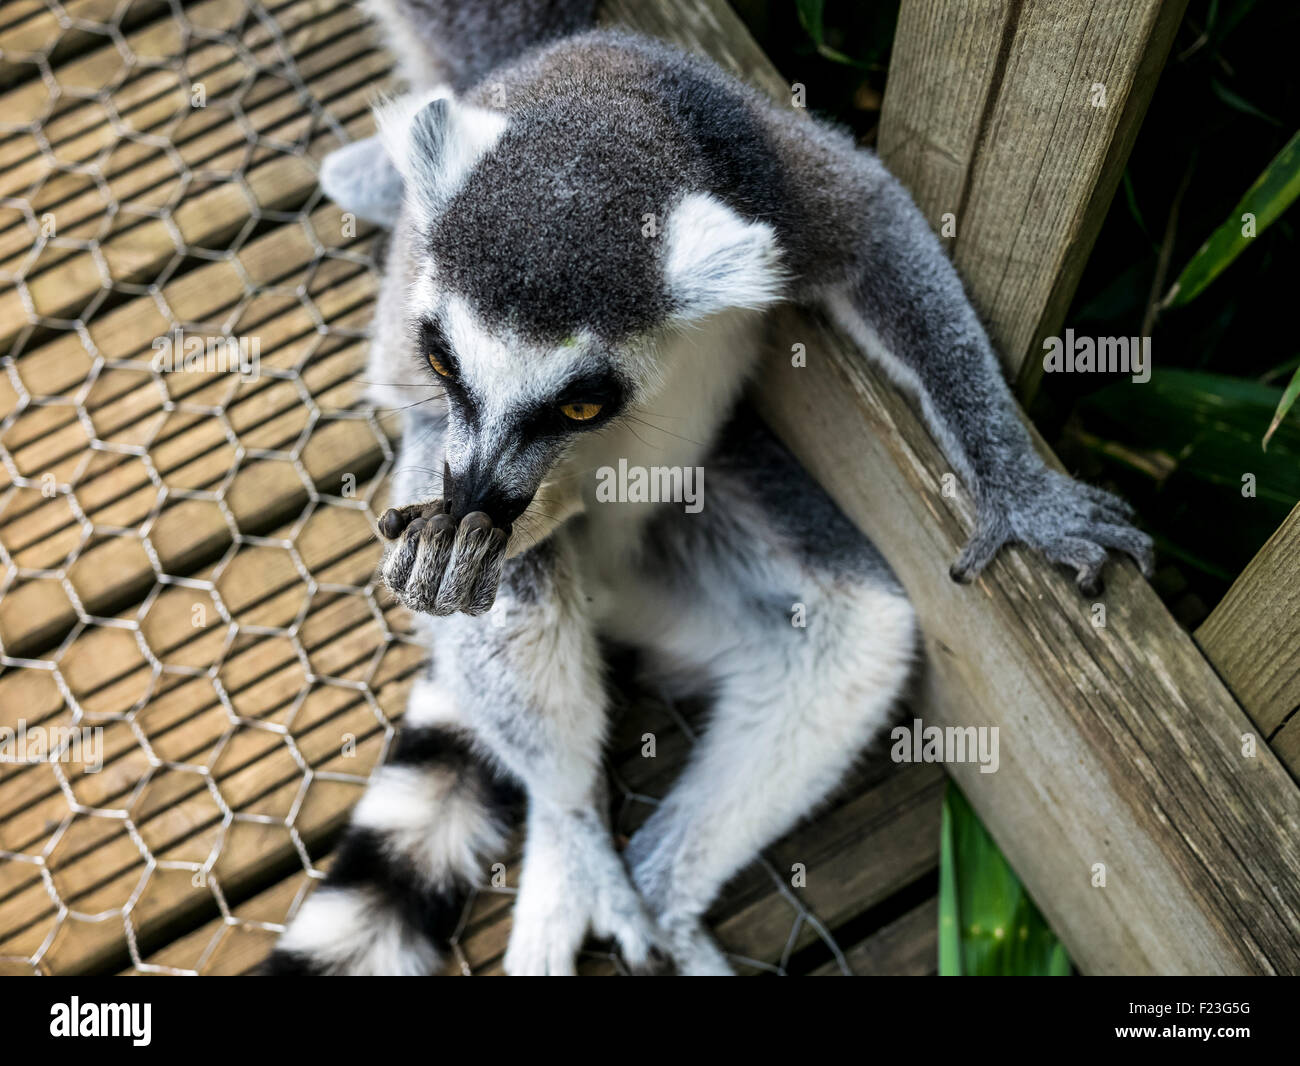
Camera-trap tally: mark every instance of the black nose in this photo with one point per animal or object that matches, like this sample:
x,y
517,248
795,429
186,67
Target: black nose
x,y
477,490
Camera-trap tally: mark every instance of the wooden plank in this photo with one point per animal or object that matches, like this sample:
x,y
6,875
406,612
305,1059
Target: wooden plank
x,y
103,868
906,947
991,116
348,446
142,176
199,138
261,678
1121,745
1253,637
224,948
884,821
42,31
99,67
856,855
206,220
185,719
184,742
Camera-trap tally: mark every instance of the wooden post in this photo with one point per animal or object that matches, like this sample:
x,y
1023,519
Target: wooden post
x,y
1123,799
1015,119
1253,638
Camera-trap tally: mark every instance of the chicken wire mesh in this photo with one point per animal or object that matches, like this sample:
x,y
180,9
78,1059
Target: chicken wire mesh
x,y
188,594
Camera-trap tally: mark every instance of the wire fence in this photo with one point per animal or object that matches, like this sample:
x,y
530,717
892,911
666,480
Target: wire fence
x,y
198,668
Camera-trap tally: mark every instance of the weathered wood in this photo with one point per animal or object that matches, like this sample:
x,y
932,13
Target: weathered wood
x,y
97,865
856,854
906,947
1253,639
1120,745
991,115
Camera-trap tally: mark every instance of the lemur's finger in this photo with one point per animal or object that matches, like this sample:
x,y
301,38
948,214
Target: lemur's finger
x,y
1085,557
393,522
1107,501
484,593
433,538
401,560
474,569
1130,541
984,543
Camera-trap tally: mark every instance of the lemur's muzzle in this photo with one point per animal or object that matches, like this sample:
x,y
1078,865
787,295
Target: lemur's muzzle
x,y
477,489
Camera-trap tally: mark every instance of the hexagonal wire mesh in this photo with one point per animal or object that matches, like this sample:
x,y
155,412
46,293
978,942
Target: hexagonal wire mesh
x,y
187,552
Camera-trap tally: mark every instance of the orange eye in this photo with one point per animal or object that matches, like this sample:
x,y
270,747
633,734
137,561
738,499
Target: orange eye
x,y
438,368
581,412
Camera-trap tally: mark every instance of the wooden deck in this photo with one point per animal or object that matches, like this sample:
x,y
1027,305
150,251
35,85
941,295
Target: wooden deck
x,y
187,560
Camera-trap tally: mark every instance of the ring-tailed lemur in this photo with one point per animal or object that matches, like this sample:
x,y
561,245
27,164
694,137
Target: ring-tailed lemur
x,y
548,332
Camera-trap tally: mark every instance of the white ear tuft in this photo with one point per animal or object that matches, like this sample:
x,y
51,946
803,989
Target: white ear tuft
x,y
434,141
716,260
360,178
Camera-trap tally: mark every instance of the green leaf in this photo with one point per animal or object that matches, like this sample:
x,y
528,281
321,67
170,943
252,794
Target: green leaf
x,y
812,17
1271,194
1239,103
1208,425
988,925
1283,406
1179,445
810,14
949,921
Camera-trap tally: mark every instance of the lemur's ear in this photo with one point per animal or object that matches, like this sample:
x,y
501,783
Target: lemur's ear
x,y
717,260
360,178
434,141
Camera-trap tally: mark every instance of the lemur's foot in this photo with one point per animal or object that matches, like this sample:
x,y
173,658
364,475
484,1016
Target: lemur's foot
x,y
1073,524
437,566
694,950
574,883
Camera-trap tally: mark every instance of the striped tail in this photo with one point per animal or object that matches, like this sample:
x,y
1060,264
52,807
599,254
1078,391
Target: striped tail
x,y
418,839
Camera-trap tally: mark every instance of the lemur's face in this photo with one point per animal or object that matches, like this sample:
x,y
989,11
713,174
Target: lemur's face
x,y
516,407
541,295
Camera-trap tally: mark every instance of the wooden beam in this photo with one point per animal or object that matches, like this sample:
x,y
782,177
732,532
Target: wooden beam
x,y
1120,746
1253,639
1016,117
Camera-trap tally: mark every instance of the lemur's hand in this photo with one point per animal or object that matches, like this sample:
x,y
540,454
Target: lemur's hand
x,y
435,565
1071,523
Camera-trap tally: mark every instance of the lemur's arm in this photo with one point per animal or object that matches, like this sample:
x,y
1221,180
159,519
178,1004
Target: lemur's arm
x,y
905,306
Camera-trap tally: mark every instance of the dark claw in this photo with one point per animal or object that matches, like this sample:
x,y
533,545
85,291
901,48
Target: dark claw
x,y
476,520
392,523
1095,587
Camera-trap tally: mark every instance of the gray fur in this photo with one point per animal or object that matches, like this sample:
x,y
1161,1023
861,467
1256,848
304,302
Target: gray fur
x,y
458,43
518,263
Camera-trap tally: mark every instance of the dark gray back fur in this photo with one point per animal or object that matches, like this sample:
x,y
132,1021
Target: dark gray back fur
x,y
605,129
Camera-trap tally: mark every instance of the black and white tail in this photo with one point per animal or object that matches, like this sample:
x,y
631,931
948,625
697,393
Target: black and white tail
x,y
432,819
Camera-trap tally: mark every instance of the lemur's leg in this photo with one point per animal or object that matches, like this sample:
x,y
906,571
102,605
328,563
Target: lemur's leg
x,y
905,306
807,639
432,818
529,676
